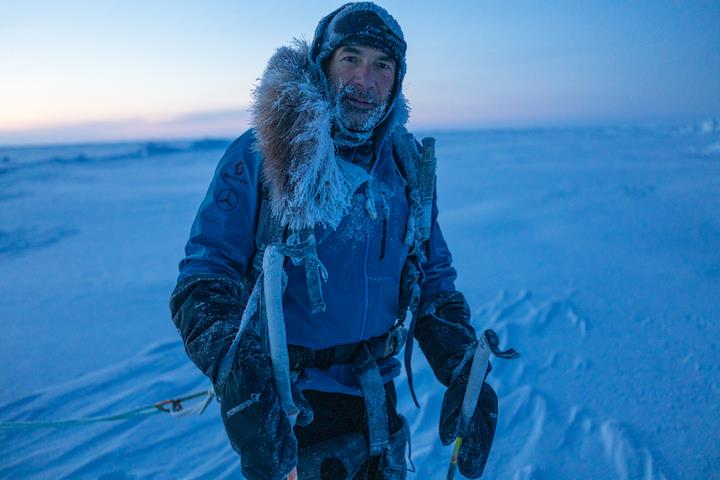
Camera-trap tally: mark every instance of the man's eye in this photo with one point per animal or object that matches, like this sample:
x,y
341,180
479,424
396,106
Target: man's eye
x,y
385,66
350,58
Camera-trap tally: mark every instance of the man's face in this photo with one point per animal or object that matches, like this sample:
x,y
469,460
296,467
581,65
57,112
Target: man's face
x,y
363,80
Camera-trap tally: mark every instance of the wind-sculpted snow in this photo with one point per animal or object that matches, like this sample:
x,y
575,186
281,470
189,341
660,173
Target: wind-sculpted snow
x,y
17,241
150,447
593,252
543,432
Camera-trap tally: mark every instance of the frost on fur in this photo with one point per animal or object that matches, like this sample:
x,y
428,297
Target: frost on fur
x,y
293,121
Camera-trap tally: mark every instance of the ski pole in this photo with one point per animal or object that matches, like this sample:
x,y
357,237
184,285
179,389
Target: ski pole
x,y
453,458
489,343
472,393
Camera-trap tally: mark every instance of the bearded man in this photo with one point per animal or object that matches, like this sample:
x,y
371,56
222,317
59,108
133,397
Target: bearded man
x,y
330,183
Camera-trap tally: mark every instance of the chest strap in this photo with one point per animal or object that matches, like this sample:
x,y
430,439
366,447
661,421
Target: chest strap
x,y
380,348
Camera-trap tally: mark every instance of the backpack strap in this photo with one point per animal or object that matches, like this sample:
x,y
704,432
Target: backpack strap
x,y
300,243
268,231
418,167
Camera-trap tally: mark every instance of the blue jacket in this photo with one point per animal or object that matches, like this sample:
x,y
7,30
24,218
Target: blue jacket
x,y
364,257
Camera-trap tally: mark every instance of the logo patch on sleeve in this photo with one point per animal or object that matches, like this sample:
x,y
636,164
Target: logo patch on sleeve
x,y
227,200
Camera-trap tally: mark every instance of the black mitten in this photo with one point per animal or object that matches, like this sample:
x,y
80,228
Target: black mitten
x,y
448,341
255,422
445,335
478,434
207,313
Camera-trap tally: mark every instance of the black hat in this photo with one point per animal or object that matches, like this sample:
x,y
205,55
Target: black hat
x,y
361,23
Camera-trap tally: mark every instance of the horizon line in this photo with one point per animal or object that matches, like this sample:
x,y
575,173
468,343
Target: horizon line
x,y
421,130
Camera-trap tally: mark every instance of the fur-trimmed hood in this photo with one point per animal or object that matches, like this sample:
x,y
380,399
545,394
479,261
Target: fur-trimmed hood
x,y
307,183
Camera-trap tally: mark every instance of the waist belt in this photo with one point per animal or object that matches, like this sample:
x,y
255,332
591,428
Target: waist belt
x,y
380,348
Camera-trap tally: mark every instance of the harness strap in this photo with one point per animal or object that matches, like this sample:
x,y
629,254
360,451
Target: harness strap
x,y
373,390
315,272
268,231
380,348
408,358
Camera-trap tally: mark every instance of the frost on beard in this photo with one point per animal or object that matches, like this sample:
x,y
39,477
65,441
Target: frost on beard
x,y
354,119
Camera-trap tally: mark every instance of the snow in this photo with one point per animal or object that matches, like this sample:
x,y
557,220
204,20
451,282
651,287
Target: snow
x,y
594,252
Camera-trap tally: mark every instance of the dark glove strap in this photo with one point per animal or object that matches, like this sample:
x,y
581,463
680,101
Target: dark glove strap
x,y
493,342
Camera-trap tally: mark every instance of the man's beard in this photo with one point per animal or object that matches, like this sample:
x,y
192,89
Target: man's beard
x,y
357,119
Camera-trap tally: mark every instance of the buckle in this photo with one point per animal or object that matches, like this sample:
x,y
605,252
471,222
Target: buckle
x,y
395,340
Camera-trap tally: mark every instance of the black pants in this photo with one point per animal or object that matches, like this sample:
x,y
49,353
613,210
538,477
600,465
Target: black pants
x,y
337,414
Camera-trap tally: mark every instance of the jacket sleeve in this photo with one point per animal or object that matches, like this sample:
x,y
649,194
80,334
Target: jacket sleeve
x,y
437,268
206,311
222,238
208,299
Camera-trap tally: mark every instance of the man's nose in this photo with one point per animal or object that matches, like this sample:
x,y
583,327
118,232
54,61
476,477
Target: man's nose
x,y
363,76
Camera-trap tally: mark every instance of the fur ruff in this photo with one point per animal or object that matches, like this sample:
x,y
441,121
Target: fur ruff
x,y
293,126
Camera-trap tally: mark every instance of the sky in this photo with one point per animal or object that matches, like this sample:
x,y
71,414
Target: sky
x,y
76,71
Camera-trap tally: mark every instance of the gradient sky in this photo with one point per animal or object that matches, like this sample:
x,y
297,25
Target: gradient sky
x,y
112,70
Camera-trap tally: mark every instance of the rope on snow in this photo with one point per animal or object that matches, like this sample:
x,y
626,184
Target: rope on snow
x,y
174,407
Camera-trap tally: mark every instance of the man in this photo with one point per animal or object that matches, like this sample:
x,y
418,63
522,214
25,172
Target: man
x,y
329,180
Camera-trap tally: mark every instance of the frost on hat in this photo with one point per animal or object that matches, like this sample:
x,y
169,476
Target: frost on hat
x,y
362,23
368,29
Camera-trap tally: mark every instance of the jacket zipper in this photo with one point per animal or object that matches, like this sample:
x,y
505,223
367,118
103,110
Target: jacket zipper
x,y
377,158
365,282
382,240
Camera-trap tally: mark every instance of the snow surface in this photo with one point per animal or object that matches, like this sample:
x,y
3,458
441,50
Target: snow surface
x,y
596,253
